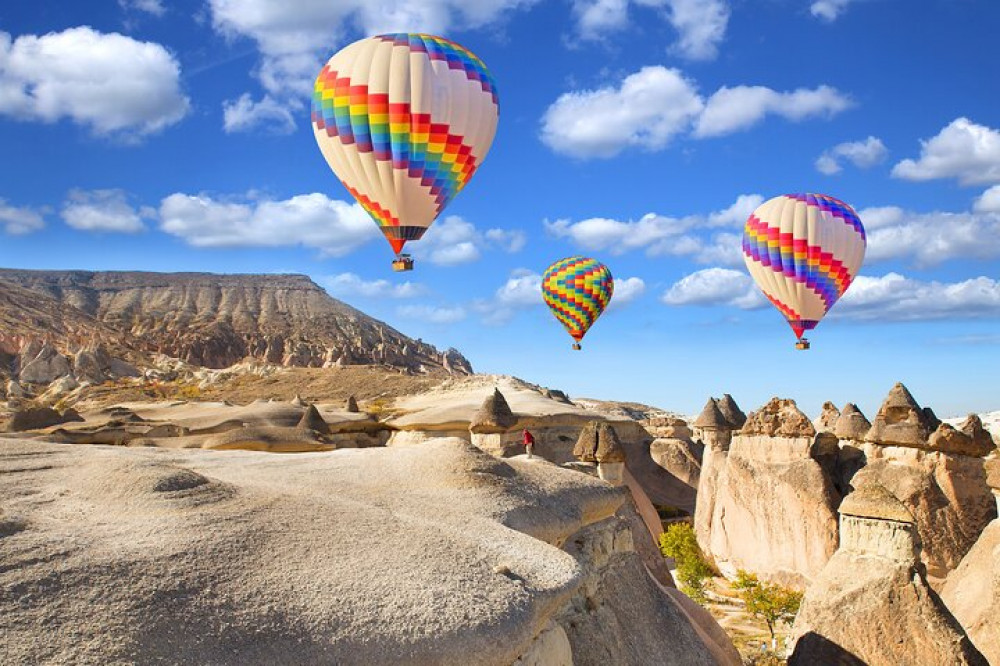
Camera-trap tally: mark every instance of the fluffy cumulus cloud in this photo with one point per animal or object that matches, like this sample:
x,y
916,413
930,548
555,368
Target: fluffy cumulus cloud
x,y
20,220
928,239
245,114
627,290
701,237
988,201
103,210
963,150
452,241
862,154
295,38
829,10
352,285
700,24
334,227
655,105
731,110
110,83
444,314
647,110
522,289
715,286
893,297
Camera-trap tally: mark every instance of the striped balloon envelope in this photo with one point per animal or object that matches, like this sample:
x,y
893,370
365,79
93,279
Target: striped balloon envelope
x,y
404,120
577,290
803,251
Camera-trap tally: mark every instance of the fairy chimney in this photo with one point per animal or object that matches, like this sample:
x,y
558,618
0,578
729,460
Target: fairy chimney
x,y
874,522
827,420
731,411
352,405
851,424
900,421
491,427
598,443
311,420
715,429
969,439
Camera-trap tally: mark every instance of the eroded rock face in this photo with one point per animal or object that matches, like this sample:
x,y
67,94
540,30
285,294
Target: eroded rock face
x,y
779,418
970,439
773,509
851,424
35,418
532,554
827,421
900,421
680,457
731,411
494,416
44,367
871,604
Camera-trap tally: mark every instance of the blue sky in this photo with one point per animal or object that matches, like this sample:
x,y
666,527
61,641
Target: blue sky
x,y
174,136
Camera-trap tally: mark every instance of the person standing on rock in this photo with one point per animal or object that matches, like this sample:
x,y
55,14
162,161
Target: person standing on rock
x,y
529,442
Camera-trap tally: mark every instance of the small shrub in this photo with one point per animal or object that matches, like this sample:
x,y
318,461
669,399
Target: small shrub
x,y
679,543
769,602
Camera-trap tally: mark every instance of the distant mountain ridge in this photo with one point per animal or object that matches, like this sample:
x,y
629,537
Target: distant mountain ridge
x,y
208,319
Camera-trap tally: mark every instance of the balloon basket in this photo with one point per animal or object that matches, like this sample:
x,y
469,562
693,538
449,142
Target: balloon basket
x,y
576,346
403,262
802,344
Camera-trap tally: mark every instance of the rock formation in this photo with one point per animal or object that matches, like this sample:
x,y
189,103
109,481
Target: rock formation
x,y
871,604
943,488
352,405
972,591
773,509
311,420
851,424
37,418
437,554
731,411
827,421
203,319
598,443
716,434
492,427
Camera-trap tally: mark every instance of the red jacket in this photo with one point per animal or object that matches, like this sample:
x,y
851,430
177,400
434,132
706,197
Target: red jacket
x,y
527,438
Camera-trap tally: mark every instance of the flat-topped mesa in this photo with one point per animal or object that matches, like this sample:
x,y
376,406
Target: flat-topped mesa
x,y
779,418
900,421
969,439
851,424
731,411
495,415
874,522
827,420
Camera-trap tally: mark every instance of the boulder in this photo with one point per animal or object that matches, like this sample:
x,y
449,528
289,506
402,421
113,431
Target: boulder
x,y
352,405
34,418
779,418
14,389
900,421
969,439
871,605
46,367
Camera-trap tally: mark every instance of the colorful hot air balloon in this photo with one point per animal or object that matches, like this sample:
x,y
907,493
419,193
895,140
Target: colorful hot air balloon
x,y
803,251
404,120
577,290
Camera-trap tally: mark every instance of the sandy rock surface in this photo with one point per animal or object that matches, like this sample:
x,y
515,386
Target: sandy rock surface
x,y
439,554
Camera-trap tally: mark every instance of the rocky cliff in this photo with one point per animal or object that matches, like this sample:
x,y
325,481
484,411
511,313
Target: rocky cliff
x,y
208,320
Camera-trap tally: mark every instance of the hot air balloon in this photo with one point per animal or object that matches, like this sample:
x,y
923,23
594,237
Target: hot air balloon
x,y
803,251
577,290
404,120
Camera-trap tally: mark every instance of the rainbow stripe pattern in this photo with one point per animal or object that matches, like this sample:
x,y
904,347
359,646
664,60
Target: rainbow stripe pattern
x,y
362,129
577,290
803,251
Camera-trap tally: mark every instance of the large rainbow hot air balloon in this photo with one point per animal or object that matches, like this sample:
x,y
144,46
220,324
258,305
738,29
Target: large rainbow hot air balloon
x,y
404,120
803,251
577,290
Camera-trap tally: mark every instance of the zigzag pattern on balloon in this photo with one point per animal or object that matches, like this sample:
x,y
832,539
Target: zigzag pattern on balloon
x,y
835,207
428,151
577,290
796,259
457,56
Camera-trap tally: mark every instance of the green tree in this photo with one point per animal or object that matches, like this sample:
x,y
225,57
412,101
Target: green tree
x,y
769,602
679,543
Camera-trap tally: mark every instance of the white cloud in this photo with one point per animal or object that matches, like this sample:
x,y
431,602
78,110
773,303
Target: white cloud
x,y
930,238
433,314
244,114
647,110
18,221
627,290
863,154
522,289
700,24
335,227
101,210
829,10
660,235
988,201
962,150
110,83
352,285
154,7
715,286
452,241
733,109
893,297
